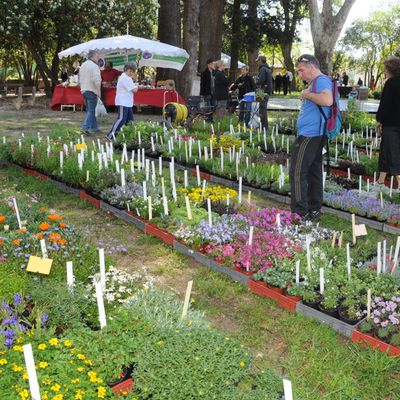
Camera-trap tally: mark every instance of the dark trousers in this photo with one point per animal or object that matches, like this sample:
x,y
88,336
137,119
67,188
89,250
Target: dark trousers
x,y
389,153
263,113
306,174
125,115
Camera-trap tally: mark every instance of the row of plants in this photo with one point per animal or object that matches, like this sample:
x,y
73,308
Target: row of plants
x,y
145,336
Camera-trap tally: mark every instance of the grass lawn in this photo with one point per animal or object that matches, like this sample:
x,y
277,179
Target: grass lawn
x,y
321,363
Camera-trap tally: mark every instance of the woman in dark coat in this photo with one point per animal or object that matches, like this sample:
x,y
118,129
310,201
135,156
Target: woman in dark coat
x,y
388,123
245,83
221,89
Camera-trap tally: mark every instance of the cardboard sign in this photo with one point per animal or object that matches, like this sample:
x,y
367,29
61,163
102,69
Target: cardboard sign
x,y
360,230
39,265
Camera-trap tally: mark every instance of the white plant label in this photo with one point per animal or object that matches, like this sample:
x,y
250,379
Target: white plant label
x,y
100,304
187,299
102,268
31,370
70,275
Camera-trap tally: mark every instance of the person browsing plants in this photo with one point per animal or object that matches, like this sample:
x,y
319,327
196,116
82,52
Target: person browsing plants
x,y
388,123
306,159
124,99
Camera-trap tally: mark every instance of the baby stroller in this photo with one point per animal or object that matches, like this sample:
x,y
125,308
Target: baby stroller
x,y
253,109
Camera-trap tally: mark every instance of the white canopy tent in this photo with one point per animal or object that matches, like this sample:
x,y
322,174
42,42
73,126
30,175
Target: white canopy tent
x,y
152,53
227,61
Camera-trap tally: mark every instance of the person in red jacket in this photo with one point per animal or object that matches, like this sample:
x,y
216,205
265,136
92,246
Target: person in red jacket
x,y
109,75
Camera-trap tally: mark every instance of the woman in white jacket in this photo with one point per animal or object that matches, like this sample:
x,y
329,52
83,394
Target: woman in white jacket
x,y
124,99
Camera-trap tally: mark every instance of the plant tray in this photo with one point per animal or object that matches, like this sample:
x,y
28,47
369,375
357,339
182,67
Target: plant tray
x,y
284,301
121,389
90,199
338,325
242,271
165,236
365,338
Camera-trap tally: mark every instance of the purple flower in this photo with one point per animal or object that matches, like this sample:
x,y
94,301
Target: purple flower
x,y
17,299
9,342
45,318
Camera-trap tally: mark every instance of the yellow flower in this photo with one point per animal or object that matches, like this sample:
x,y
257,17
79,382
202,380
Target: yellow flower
x,y
46,381
56,387
160,343
75,380
101,392
58,397
53,341
43,364
80,369
2,352
24,394
88,362
79,395
3,361
17,368
42,346
67,343
19,340
242,363
25,375
80,356
18,348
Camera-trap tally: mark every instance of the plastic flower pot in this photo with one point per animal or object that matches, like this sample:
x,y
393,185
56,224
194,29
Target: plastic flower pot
x,y
343,317
122,388
333,312
275,289
284,301
30,172
90,199
203,175
165,236
375,343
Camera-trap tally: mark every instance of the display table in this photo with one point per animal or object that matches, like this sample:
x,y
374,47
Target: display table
x,y
150,97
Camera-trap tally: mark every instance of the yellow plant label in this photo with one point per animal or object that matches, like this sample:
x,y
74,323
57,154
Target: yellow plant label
x,y
81,146
39,265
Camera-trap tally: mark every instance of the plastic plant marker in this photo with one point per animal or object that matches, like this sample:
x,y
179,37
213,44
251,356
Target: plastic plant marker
x,y
321,281
297,272
334,239
369,304
308,254
251,235
287,388
188,208
31,370
17,212
102,263
378,258
100,304
209,212
43,248
70,275
187,299
348,260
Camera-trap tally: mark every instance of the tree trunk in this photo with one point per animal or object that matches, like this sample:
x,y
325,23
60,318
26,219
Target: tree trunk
x,y
252,35
326,28
235,40
169,31
287,57
211,13
191,15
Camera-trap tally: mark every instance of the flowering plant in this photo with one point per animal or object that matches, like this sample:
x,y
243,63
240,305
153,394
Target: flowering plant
x,y
385,319
17,317
63,371
120,285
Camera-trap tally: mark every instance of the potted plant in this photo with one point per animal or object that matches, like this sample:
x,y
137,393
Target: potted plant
x,y
330,301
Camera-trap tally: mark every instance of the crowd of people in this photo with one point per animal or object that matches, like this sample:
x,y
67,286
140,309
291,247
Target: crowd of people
x,y
215,89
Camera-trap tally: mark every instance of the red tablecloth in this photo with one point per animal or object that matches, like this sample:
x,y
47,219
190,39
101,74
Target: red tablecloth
x,y
150,97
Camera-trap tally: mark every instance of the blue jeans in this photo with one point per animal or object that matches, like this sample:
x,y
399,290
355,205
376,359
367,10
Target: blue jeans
x,y
90,121
125,115
244,111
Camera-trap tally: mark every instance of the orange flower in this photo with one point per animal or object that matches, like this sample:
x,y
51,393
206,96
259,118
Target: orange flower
x,y
54,217
2,218
39,235
16,242
42,209
63,242
62,225
20,230
1,242
54,237
44,226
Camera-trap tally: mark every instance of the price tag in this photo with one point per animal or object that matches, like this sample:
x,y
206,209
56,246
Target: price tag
x,y
81,146
360,230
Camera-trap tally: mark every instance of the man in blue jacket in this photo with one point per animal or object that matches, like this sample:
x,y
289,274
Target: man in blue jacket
x,y
306,159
